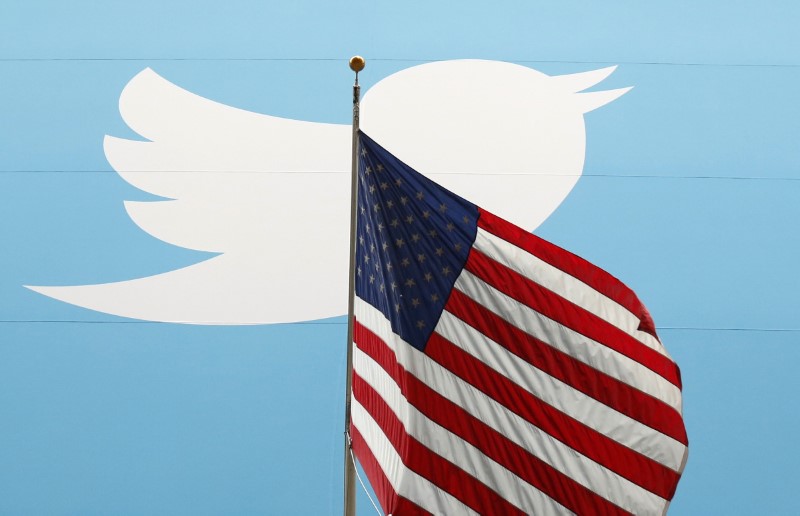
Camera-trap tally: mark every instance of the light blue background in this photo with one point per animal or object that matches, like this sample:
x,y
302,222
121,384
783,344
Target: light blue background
x,y
691,195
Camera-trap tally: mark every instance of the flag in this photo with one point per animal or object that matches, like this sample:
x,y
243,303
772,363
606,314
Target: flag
x,y
496,373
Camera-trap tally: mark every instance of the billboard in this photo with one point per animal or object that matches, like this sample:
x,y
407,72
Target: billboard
x,y
174,182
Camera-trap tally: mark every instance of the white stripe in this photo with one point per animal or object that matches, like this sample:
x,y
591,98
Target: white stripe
x,y
405,482
565,285
574,344
572,402
581,469
450,446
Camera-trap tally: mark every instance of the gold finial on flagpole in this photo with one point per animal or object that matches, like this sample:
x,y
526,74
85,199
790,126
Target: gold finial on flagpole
x,y
357,63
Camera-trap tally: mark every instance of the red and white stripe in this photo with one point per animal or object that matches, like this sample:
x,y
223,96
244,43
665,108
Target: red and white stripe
x,y
543,389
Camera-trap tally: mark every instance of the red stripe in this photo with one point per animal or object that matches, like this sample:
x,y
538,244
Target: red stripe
x,y
420,459
494,445
618,458
568,314
609,391
390,501
571,264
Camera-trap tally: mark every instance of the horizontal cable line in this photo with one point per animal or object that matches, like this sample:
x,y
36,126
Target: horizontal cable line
x,y
669,63
297,172
390,59
344,323
183,323
742,329
706,177
158,59
175,172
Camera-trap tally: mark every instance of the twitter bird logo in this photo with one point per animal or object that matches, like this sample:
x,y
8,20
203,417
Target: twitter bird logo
x,y
270,194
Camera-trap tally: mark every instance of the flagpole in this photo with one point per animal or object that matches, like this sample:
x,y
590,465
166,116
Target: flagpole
x,y
356,64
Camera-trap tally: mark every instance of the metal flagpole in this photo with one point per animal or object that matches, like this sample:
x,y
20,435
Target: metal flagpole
x,y
356,64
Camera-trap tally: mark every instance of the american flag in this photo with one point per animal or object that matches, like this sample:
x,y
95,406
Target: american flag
x,y
495,373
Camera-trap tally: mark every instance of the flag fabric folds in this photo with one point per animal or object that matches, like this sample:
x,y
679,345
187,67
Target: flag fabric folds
x,y
495,373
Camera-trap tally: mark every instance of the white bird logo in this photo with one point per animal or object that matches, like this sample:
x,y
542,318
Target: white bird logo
x,y
271,194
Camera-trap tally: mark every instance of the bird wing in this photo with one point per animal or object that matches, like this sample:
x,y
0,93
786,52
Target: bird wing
x,y
269,194
221,168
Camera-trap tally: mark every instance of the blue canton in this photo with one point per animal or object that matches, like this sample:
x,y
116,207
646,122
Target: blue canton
x,y
413,239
